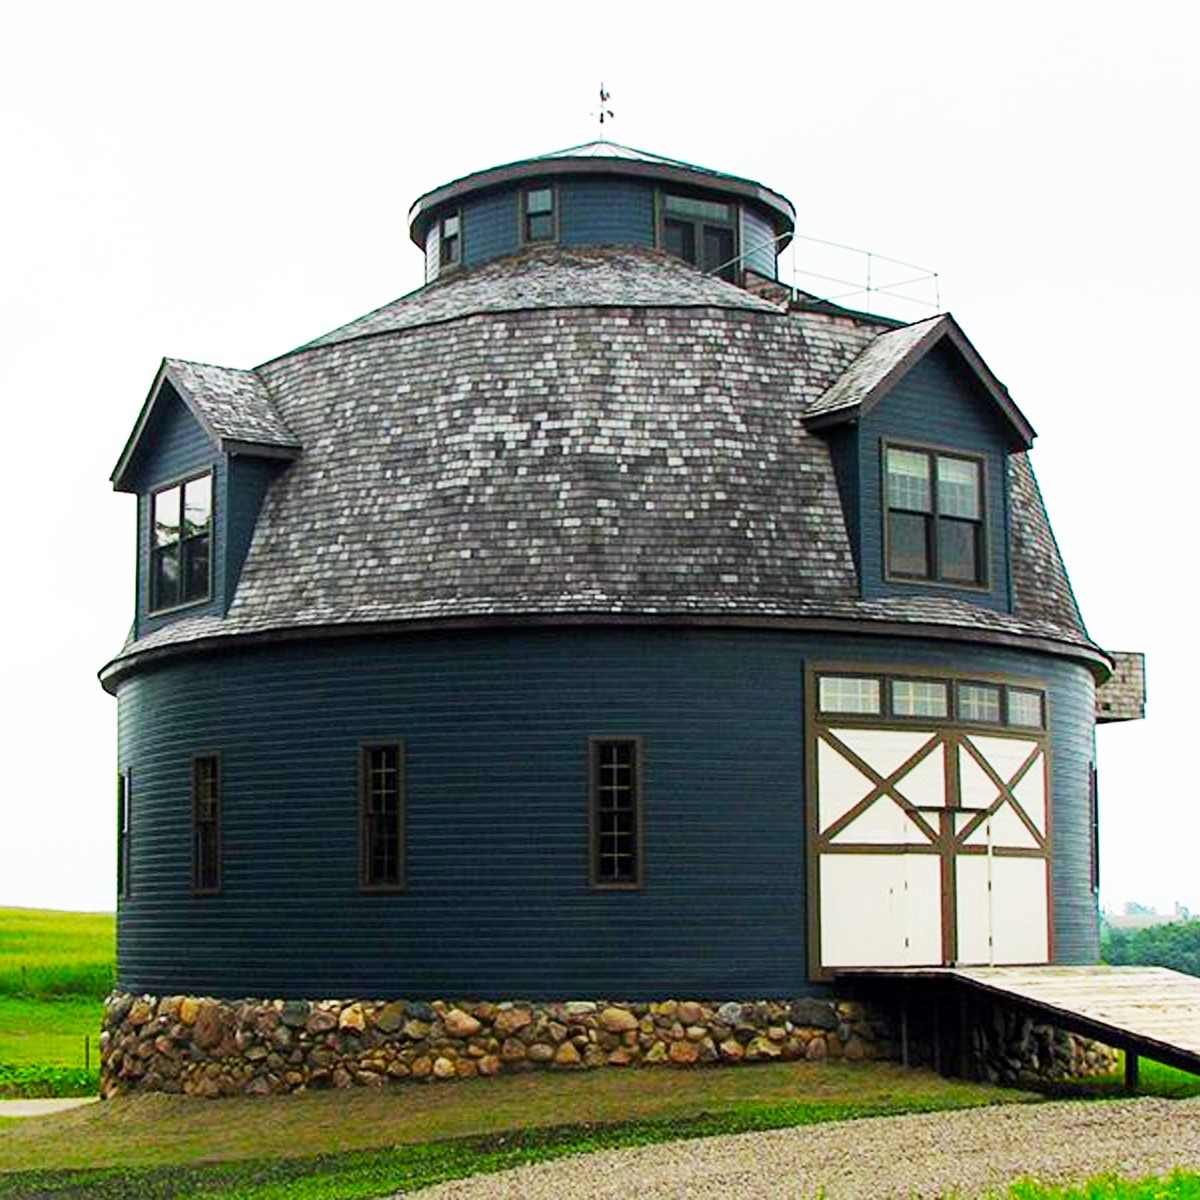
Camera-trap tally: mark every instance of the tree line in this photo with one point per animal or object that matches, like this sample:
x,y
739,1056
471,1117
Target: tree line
x,y
1176,945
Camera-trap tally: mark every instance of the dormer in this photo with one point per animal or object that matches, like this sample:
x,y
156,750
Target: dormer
x,y
922,436
604,194
205,448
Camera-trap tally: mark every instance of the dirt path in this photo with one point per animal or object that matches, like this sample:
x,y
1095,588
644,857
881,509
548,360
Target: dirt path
x,y
875,1159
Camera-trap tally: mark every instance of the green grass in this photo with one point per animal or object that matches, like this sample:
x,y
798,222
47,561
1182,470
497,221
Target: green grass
x,y
45,954
1179,1185
1154,1079
50,1032
251,1148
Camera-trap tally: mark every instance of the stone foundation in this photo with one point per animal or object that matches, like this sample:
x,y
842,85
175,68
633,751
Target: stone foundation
x,y
1009,1047
206,1047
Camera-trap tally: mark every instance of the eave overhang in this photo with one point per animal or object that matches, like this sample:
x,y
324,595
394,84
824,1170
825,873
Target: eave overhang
x,y
571,162
268,438
890,357
131,660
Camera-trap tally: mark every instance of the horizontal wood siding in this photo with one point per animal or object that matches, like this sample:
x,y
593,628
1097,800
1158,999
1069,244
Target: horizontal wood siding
x,y
606,212
249,479
758,243
497,900
489,228
936,405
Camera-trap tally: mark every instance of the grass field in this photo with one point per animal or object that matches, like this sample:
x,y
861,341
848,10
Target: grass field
x,y
48,954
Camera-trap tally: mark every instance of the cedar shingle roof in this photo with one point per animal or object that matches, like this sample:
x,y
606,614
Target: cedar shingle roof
x,y
579,435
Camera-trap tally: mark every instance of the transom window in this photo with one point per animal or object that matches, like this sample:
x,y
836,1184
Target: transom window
x,y
450,240
381,809
701,232
616,815
206,823
965,701
537,214
934,516
181,543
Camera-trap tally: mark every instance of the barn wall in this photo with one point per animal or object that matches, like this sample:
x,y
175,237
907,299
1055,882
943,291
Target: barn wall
x,y
758,243
495,727
935,405
489,228
606,212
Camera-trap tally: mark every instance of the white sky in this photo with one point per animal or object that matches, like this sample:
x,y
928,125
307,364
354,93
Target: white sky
x,y
222,182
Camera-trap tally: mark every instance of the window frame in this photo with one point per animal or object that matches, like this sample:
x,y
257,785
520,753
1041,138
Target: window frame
x,y
933,519
124,832
445,263
365,833
698,224
204,884
524,215
153,609
599,882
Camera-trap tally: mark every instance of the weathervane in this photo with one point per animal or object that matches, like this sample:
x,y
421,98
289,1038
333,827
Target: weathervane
x,y
605,113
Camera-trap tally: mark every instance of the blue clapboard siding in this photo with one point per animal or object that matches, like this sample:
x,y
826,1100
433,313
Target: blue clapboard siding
x,y
248,481
937,405
489,228
495,726
758,243
606,212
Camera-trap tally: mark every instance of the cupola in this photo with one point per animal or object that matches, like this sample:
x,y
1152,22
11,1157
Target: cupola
x,y
604,194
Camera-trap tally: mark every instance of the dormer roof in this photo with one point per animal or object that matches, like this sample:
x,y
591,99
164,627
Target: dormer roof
x,y
232,407
891,356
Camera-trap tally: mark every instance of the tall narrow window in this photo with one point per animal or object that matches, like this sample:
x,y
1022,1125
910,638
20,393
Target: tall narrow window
x,y
124,812
181,543
381,816
616,811
934,516
206,823
450,240
537,217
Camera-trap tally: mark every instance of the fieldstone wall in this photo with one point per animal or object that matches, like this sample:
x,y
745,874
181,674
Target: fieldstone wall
x,y
1010,1047
206,1047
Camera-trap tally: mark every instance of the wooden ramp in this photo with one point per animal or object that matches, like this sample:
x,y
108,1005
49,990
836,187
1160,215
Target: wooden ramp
x,y
1146,1011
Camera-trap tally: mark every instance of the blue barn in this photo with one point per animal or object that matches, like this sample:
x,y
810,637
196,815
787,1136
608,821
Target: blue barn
x,y
601,619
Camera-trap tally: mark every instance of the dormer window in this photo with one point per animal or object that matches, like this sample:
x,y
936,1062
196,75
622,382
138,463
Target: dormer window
x,y
537,214
451,240
181,543
934,524
701,232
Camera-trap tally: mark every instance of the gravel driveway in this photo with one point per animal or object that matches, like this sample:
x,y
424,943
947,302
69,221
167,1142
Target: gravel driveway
x,y
878,1158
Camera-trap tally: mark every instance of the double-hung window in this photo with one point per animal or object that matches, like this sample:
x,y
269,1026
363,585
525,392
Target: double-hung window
x,y
615,784
450,240
381,816
934,525
181,518
537,214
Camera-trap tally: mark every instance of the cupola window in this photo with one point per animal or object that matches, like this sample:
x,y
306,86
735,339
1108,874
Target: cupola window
x,y
934,527
181,543
450,240
537,214
701,232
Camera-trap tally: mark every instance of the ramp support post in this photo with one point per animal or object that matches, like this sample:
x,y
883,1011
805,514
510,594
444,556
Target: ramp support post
x,y
1131,1072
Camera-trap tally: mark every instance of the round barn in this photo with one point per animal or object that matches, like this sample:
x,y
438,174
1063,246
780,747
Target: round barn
x,y
602,619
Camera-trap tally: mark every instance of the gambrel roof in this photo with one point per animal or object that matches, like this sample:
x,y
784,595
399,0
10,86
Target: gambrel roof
x,y
585,435
232,406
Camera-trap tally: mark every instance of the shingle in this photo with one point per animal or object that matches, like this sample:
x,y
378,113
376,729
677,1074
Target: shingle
x,y
234,404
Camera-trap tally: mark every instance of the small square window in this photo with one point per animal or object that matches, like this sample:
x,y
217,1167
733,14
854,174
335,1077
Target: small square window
x,y
919,698
849,694
1025,708
978,702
